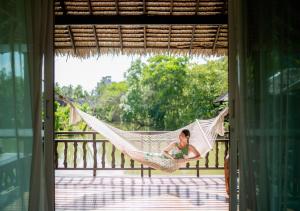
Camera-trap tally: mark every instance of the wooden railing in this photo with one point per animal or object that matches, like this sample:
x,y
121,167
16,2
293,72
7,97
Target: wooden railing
x,y
94,154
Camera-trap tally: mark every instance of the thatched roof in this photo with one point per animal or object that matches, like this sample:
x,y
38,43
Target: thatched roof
x,y
88,27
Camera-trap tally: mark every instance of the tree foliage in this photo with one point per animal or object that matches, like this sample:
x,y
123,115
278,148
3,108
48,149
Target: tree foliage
x,y
165,92
108,101
206,82
169,92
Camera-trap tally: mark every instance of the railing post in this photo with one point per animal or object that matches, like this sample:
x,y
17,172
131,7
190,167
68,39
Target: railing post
x,y
122,160
142,170
131,163
197,166
149,172
217,155
103,155
84,155
95,154
113,159
56,155
66,155
75,154
206,160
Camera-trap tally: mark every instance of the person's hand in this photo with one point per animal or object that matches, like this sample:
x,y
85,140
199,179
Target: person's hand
x,y
184,160
168,155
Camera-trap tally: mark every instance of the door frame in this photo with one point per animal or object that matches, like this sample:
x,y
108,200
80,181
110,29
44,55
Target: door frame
x,y
48,107
233,99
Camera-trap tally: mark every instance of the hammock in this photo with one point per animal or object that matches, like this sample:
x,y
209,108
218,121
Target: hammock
x,y
147,149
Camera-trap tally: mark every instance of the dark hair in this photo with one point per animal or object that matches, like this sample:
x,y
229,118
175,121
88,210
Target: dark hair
x,y
187,134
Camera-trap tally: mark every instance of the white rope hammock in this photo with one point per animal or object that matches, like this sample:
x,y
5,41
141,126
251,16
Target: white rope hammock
x,y
147,149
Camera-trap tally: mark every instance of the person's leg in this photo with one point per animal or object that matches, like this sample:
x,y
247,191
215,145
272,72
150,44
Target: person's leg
x,y
226,172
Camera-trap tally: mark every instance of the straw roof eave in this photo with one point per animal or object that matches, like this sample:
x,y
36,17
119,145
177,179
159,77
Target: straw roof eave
x,y
95,38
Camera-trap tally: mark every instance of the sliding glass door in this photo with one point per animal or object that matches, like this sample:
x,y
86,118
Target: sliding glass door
x,y
16,135
26,51
265,74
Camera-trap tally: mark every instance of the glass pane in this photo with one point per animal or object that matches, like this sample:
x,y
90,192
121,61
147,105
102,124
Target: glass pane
x,y
15,109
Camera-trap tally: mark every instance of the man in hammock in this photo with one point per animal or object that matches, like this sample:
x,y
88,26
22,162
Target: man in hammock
x,y
182,149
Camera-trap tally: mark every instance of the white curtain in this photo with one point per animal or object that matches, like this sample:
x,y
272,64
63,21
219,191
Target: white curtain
x,y
39,17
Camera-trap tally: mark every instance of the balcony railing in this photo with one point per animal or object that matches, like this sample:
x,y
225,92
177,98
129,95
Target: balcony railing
x,y
84,150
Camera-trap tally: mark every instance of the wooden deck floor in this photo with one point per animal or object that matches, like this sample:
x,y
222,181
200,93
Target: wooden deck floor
x,y
135,193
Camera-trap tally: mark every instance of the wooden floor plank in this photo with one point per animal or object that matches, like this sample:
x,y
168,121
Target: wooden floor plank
x,y
142,194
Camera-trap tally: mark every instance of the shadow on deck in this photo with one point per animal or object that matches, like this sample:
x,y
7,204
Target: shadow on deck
x,y
136,193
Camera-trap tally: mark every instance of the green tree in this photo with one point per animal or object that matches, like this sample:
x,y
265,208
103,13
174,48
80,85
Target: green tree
x,y
62,117
80,98
78,93
134,109
169,92
155,90
108,102
163,80
206,83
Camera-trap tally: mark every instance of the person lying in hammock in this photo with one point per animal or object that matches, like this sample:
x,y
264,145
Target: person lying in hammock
x,y
182,149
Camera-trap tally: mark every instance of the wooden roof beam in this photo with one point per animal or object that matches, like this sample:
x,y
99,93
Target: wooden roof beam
x,y
216,39
90,7
145,38
225,6
120,37
117,6
192,39
63,6
144,7
219,28
197,7
140,20
96,39
72,39
169,40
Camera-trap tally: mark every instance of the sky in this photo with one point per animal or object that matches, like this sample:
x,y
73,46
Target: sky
x,y
87,72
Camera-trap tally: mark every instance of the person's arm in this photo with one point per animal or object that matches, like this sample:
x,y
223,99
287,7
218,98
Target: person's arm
x,y
194,151
167,149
